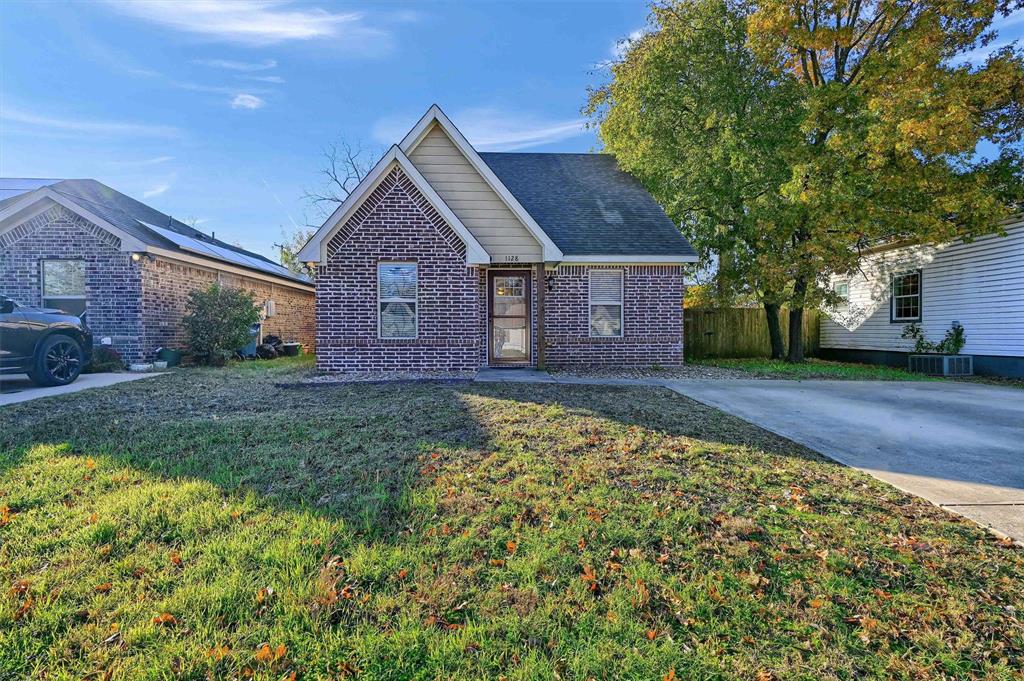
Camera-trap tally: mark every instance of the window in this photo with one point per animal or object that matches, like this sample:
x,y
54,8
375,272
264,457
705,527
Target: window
x,y
396,297
905,303
842,289
64,285
606,303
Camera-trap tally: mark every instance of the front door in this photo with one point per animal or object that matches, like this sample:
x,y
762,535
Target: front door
x,y
508,300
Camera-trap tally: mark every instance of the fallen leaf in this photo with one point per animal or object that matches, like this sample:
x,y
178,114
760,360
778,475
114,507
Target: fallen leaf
x,y
176,559
5,515
651,634
165,618
24,608
403,573
511,546
816,603
218,652
103,588
671,676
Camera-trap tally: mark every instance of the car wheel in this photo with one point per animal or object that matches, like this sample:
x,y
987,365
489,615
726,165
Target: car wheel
x,y
58,361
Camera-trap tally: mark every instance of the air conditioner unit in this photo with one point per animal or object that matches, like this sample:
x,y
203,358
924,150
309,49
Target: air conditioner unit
x,y
942,365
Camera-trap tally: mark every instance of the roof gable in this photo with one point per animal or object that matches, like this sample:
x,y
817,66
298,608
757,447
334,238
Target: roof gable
x,y
436,117
315,249
469,196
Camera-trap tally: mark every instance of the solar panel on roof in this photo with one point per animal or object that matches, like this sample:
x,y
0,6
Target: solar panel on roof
x,y
220,253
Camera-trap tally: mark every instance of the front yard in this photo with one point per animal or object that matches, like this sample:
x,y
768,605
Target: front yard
x,y
223,524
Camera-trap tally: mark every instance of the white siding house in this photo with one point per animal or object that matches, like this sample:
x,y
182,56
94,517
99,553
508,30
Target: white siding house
x,y
979,285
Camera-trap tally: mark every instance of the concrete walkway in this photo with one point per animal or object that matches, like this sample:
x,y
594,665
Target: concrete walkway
x,y
17,388
958,445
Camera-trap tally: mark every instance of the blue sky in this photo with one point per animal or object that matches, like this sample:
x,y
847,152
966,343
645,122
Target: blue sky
x,y
218,110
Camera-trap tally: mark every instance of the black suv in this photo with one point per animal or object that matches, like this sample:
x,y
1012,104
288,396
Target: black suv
x,y
52,347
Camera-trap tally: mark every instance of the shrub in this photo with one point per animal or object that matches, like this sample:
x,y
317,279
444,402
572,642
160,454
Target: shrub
x,y
952,344
218,322
105,359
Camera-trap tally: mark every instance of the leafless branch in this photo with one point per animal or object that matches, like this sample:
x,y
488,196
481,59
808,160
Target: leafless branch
x,y
344,165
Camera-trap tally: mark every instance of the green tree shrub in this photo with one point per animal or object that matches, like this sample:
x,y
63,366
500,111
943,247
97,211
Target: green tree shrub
x,y
218,322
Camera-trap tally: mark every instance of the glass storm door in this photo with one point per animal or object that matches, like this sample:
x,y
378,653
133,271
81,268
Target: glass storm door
x,y
509,293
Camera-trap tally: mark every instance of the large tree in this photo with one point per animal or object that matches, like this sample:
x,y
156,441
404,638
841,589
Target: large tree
x,y
890,113
706,126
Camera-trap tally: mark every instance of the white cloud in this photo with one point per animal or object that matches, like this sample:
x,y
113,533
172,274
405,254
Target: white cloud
x,y
491,129
246,21
1012,19
244,101
156,190
213,89
77,125
230,65
156,160
265,79
621,46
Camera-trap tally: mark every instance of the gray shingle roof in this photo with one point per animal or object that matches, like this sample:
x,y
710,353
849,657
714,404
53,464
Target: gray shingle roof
x,y
136,218
587,205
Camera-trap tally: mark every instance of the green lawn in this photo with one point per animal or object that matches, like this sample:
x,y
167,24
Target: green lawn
x,y
816,369
221,524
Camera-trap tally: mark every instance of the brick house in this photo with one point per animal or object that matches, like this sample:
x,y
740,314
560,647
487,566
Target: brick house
x,y
445,258
80,246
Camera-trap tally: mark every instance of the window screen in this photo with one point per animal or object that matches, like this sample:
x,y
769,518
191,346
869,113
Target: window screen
x,y
606,303
64,285
396,295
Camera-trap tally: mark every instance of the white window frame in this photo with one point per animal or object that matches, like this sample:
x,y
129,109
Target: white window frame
x,y
621,303
415,301
42,281
844,283
893,319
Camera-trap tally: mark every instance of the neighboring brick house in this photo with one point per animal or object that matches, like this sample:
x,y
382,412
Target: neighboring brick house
x,y
80,246
444,258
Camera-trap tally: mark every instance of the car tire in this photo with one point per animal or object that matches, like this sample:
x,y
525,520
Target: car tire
x,y
58,361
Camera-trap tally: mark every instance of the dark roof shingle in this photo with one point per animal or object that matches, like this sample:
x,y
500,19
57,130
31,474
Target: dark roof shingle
x,y
587,205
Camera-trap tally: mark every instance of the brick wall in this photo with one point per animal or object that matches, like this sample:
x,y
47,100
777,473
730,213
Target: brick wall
x,y
397,223
652,319
139,305
112,281
165,288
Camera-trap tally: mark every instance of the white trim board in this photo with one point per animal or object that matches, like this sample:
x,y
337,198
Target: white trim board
x,y
629,259
435,115
315,249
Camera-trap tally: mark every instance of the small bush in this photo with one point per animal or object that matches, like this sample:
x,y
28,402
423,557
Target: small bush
x,y
218,322
952,344
105,359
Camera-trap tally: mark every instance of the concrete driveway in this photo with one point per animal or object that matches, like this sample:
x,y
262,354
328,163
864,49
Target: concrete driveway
x,y
959,445
17,388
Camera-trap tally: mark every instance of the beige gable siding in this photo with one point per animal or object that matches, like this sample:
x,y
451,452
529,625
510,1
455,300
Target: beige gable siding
x,y
483,212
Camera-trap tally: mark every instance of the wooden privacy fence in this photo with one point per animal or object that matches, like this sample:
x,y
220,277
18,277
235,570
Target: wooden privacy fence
x,y
740,332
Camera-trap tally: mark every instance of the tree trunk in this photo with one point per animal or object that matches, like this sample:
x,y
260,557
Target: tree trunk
x,y
771,312
796,321
796,334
